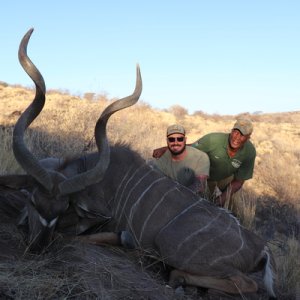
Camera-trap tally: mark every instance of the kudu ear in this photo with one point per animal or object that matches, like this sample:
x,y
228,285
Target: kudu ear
x,y
17,181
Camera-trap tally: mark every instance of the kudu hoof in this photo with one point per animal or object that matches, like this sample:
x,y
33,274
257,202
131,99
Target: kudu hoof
x,y
127,240
179,293
176,281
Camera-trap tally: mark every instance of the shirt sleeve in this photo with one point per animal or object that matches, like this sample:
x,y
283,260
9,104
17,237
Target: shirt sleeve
x,y
202,143
202,165
198,161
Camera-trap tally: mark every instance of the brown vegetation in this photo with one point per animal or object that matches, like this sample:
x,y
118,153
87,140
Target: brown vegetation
x,y
270,202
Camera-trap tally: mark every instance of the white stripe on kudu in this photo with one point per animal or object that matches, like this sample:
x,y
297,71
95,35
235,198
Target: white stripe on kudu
x,y
197,251
137,202
196,232
156,206
119,198
134,186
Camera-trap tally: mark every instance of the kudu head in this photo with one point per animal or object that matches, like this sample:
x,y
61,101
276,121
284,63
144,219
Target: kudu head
x,y
49,198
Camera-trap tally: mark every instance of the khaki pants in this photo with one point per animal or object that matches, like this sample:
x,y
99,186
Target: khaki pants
x,y
217,187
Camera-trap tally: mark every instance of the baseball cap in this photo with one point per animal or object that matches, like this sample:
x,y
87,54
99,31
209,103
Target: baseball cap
x,y
244,126
175,128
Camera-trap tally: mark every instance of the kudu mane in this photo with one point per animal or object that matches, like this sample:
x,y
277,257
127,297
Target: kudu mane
x,y
122,151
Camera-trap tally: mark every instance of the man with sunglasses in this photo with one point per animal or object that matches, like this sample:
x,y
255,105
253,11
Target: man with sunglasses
x,y
184,164
232,158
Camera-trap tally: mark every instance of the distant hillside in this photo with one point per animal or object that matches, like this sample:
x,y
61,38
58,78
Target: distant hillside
x,y
144,127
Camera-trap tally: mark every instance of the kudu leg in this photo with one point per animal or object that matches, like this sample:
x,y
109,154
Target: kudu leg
x,y
101,238
123,238
236,284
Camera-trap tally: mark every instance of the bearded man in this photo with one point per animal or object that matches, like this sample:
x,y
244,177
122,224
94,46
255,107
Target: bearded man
x,y
182,163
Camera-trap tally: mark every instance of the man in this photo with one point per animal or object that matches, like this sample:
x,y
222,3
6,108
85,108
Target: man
x,y
185,164
232,158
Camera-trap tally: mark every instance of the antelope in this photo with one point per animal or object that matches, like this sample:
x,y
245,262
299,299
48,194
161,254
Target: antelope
x,y
203,244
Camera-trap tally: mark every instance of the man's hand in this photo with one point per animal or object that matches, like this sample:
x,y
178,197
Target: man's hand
x,y
232,188
157,153
220,201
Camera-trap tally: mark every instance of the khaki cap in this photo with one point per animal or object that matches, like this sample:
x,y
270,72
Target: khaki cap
x,y
175,129
244,126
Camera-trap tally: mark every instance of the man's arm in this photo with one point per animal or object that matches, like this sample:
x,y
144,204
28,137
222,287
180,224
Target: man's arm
x,y
157,153
203,183
232,188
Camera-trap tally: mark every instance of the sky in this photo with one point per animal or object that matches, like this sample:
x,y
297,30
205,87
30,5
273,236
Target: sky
x,y
217,57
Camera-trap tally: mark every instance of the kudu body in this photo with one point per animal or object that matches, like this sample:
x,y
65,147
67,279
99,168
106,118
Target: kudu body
x,y
205,245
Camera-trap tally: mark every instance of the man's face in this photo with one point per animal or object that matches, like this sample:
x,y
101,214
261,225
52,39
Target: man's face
x,y
237,139
176,143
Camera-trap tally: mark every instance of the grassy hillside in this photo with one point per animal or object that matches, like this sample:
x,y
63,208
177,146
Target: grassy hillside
x,y
270,202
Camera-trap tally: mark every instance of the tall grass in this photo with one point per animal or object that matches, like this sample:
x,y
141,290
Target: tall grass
x,y
288,265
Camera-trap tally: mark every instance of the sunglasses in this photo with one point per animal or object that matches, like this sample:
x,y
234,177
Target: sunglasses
x,y
173,139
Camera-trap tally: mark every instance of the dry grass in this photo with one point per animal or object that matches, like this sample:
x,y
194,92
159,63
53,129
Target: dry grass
x,y
288,267
269,203
74,271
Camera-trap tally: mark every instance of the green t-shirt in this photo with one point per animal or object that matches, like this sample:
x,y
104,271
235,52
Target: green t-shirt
x,y
194,164
221,164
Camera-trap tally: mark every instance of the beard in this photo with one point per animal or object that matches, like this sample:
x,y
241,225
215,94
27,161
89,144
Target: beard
x,y
175,153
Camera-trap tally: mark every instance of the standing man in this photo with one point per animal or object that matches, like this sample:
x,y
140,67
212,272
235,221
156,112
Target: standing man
x,y
185,164
232,157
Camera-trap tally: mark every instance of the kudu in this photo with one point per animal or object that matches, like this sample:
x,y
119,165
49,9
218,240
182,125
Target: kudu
x,y
203,244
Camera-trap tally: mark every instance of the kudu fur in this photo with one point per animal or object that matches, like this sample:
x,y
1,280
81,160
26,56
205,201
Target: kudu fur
x,y
205,245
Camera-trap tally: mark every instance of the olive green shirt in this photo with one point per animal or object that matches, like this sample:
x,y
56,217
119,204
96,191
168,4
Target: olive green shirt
x,y
195,163
241,166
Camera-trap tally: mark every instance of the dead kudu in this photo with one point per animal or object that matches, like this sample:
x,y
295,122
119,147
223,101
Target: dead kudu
x,y
204,245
